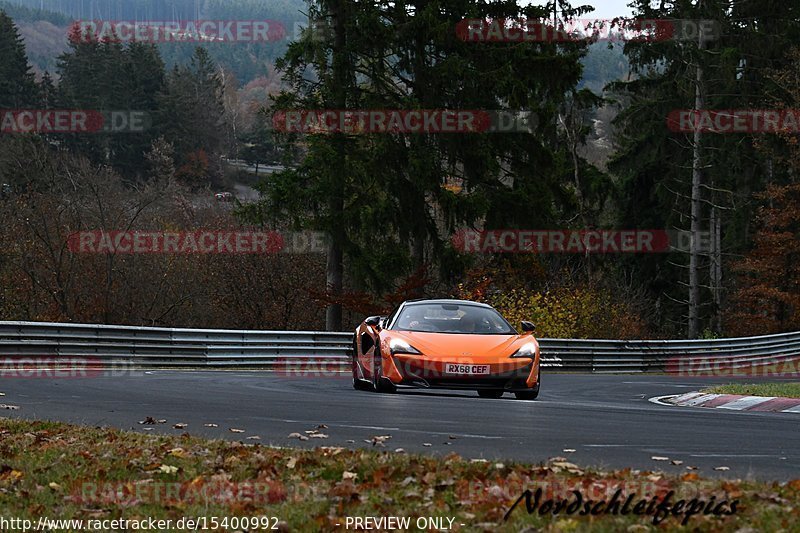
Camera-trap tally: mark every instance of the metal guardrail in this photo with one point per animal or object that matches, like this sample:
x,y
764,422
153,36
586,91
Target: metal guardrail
x,y
330,352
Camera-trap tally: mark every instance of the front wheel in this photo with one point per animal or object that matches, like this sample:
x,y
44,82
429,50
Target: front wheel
x,y
358,383
533,393
380,383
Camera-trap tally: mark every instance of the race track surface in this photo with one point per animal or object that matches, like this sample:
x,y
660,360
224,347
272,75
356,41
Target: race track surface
x,y
607,419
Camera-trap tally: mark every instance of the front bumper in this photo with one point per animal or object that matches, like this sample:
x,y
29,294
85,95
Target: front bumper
x,y
510,375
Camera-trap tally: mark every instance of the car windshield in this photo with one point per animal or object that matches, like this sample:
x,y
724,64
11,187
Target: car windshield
x,y
452,318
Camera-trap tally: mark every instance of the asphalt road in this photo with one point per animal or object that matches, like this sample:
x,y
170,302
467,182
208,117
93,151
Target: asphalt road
x,y
607,419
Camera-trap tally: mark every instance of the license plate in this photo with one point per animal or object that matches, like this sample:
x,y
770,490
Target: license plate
x,y
466,370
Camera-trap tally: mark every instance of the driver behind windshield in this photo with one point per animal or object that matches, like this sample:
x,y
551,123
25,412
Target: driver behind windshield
x,y
411,318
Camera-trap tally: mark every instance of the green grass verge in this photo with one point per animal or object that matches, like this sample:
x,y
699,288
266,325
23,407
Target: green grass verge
x,y
69,472
785,390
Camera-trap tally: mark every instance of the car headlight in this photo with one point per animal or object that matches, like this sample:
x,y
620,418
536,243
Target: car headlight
x,y
401,346
527,350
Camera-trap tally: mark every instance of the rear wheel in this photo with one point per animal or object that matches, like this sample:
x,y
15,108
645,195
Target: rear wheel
x,y
380,383
490,393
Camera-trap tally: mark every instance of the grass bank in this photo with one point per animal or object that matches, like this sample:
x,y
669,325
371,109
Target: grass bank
x,y
62,471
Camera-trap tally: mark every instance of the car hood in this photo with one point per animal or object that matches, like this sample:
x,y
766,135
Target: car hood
x,y
462,345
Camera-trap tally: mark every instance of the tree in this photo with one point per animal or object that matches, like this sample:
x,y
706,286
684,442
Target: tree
x,y
17,85
766,298
109,77
687,182
191,112
381,197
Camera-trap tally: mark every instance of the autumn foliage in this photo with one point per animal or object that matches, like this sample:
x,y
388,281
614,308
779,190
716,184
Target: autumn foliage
x,y
573,309
767,296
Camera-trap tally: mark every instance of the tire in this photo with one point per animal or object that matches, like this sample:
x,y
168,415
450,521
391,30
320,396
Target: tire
x,y
490,394
380,383
533,393
358,384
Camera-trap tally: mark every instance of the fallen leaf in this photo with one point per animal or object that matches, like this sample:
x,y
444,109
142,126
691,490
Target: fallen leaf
x,y
211,425
55,486
564,464
294,436
691,468
168,469
399,450
659,458
291,463
9,407
148,420
332,450
495,491
180,425
690,476
568,450
349,475
253,437
322,426
722,468
351,441
177,452
234,430
427,444
161,421
677,463
478,461
318,436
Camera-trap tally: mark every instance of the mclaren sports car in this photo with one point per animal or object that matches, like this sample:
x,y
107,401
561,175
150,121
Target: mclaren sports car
x,y
449,344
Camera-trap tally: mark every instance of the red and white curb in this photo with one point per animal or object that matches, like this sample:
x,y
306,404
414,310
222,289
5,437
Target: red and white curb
x,y
732,402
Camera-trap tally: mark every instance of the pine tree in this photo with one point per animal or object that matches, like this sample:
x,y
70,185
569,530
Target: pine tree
x,y
191,111
381,197
654,165
17,85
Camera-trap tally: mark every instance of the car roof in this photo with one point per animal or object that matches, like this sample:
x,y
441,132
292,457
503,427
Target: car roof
x,y
446,301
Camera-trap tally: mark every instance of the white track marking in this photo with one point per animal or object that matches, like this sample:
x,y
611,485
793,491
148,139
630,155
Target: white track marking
x,y
731,455
743,403
703,398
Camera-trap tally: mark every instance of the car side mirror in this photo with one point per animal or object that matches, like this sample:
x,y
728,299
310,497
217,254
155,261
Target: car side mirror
x,y
528,326
373,321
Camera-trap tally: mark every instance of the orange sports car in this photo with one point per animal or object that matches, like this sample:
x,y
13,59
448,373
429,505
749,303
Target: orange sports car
x,y
450,344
